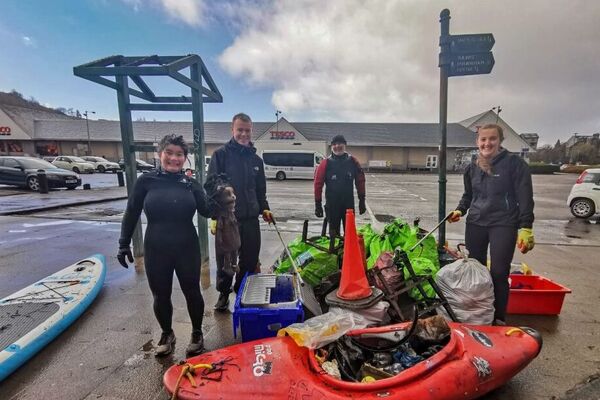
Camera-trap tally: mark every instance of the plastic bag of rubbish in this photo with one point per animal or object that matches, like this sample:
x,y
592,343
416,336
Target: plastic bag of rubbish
x,y
390,274
313,263
467,284
321,330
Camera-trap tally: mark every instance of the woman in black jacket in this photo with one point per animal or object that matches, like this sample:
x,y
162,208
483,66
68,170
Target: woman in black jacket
x,y
169,199
499,197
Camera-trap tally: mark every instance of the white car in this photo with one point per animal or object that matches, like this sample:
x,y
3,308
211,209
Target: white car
x,y
75,164
102,164
584,199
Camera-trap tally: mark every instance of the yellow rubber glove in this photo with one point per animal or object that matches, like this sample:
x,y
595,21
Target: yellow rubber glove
x,y
268,216
525,240
455,216
213,226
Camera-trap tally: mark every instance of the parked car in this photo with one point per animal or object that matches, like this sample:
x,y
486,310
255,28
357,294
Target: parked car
x,y
75,164
140,165
22,171
49,158
584,199
102,164
573,169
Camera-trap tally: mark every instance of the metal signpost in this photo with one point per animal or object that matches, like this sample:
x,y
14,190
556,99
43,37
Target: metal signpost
x,y
460,55
131,70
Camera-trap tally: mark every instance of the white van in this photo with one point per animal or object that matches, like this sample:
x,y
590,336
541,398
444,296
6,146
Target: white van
x,y
291,164
191,164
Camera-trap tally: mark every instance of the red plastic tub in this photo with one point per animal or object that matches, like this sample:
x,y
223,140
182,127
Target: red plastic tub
x,y
534,294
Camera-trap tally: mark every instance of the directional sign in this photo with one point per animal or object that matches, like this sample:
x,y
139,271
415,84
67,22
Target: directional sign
x,y
471,64
468,44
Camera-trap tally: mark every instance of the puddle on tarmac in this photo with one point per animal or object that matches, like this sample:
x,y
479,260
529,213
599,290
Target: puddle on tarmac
x,y
386,218
148,346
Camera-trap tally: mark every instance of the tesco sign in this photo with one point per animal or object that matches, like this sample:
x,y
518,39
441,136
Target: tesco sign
x,y
277,135
4,130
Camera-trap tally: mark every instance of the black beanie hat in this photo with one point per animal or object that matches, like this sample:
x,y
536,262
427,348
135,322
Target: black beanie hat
x,y
338,139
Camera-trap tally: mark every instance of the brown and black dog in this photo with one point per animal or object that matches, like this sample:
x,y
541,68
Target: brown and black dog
x,y
227,236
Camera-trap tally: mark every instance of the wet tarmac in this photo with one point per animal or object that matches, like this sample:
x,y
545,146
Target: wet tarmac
x,y
108,352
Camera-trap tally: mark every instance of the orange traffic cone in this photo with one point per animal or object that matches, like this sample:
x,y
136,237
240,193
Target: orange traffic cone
x,y
353,283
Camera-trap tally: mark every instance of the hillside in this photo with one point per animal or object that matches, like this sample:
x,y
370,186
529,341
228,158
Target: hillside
x,y
16,99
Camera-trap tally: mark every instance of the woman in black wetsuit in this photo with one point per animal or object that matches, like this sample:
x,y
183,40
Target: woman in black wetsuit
x,y
170,199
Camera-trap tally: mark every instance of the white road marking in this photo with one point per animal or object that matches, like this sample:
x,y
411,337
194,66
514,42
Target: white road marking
x,y
17,231
65,222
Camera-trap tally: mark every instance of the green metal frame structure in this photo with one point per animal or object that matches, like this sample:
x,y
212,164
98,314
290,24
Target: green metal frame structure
x,y
126,70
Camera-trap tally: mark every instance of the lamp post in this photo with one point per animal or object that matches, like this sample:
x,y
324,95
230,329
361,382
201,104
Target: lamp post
x,y
498,110
277,114
87,125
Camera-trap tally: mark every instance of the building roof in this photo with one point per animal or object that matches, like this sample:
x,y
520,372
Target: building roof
x,y
510,134
387,134
357,134
25,117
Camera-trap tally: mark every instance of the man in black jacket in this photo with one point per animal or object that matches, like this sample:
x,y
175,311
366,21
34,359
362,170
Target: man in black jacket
x,y
245,171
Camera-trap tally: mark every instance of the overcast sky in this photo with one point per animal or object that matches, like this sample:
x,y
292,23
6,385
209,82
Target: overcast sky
x,y
350,60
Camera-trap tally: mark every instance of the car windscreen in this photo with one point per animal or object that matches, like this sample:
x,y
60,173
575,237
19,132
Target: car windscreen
x,y
36,164
77,159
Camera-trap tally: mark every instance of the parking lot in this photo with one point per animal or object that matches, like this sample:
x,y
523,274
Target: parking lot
x,y
107,353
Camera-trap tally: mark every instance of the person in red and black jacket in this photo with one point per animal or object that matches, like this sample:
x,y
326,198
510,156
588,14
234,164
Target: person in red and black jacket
x,y
339,173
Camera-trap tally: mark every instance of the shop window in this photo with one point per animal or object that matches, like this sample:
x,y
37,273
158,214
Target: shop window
x,y
431,161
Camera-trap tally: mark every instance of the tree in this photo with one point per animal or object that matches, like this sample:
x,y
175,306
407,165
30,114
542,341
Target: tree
x,y
584,153
15,93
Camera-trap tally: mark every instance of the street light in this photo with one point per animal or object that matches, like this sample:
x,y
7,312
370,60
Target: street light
x,y
499,108
87,125
277,114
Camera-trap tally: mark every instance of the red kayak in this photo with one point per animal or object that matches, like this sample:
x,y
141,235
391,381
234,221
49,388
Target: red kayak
x,y
475,360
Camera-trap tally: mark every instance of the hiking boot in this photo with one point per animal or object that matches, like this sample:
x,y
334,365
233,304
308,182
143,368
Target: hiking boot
x,y
196,345
223,302
166,344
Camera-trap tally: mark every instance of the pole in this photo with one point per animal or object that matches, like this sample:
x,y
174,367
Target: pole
x,y
87,125
130,163
445,50
198,134
277,113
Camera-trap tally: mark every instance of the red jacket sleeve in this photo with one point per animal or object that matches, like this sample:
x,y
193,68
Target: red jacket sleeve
x,y
359,179
320,180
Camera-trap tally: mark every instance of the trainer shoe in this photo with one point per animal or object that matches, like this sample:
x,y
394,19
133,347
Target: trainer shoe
x,y
196,345
223,302
165,344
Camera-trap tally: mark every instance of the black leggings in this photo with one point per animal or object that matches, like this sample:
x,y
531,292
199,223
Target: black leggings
x,y
248,255
185,261
501,240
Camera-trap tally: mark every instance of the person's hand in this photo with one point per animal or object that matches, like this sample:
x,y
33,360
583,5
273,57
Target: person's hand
x,y
213,226
525,240
362,207
124,251
267,216
319,209
455,216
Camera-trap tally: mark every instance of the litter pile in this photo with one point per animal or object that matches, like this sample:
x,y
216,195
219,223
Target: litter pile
x,y
370,358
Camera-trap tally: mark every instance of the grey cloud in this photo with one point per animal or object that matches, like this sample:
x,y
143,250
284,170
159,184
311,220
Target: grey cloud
x,y
377,61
